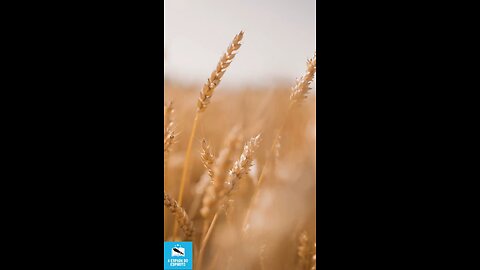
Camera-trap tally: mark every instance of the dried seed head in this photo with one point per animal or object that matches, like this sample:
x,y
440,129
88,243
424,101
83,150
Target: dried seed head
x,y
167,117
242,166
302,87
216,76
207,157
180,215
224,160
168,141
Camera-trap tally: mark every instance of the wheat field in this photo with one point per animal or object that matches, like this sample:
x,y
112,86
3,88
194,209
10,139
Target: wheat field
x,y
240,174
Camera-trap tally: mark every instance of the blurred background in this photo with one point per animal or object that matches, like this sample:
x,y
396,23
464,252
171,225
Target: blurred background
x,y
279,38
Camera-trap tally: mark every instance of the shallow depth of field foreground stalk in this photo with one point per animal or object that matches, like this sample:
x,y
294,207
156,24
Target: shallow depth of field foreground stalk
x,y
202,103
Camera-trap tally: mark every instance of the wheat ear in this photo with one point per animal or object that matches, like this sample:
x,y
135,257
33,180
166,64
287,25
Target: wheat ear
x,y
242,166
216,76
181,216
220,171
168,141
167,116
207,157
168,132
302,87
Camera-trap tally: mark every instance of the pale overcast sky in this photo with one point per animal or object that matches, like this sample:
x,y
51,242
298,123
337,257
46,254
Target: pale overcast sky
x,y
279,38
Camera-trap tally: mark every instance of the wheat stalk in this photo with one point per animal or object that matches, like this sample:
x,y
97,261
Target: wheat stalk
x,y
220,171
298,94
205,95
240,169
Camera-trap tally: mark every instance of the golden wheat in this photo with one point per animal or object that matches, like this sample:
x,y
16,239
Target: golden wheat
x,y
217,74
249,207
181,216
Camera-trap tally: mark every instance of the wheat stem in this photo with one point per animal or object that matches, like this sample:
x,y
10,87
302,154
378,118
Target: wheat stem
x,y
205,241
186,167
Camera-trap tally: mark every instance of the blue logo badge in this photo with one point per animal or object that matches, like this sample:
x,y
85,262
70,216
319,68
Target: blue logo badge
x,y
177,255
